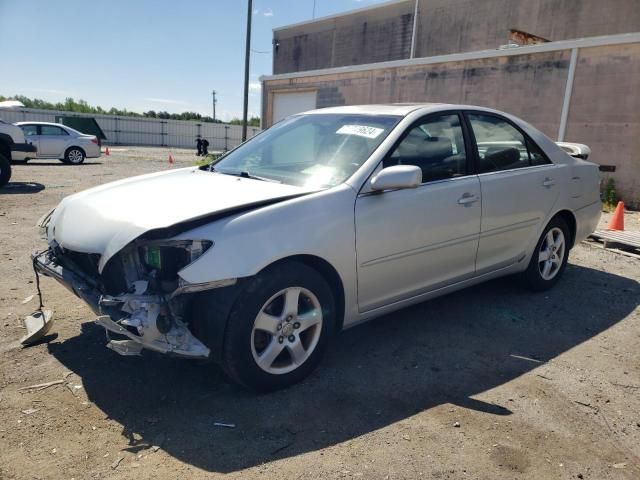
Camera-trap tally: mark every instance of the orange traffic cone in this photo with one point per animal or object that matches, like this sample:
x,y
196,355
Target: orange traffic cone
x,y
617,221
106,152
170,159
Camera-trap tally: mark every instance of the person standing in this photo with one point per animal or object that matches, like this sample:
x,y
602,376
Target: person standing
x,y
199,146
205,147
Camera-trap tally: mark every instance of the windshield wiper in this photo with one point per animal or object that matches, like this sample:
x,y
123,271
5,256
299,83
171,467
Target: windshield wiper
x,y
245,174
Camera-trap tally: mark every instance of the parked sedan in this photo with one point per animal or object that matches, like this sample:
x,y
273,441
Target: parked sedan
x,y
54,140
325,220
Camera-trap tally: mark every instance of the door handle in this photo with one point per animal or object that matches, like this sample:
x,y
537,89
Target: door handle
x,y
467,199
548,182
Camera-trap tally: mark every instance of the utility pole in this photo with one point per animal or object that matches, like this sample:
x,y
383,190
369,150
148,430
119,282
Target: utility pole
x,y
413,31
245,108
214,105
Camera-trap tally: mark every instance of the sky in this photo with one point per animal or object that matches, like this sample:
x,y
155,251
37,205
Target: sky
x,y
145,54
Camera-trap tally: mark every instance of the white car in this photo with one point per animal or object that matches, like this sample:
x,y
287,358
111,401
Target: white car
x,y
54,140
325,220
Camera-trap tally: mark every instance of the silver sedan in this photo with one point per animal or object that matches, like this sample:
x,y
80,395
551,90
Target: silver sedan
x,y
325,220
54,140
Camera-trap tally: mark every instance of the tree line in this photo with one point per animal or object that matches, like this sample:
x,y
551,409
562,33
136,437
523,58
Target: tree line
x,y
81,106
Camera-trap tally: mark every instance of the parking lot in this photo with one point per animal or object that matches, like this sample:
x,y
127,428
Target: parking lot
x,y
492,382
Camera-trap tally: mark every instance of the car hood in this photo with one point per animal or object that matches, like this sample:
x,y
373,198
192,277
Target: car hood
x,y
105,219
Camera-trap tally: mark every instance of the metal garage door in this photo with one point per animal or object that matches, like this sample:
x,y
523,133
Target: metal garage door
x,y
285,104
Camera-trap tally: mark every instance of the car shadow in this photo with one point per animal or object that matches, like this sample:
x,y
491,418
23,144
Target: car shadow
x,y
15,188
36,163
443,351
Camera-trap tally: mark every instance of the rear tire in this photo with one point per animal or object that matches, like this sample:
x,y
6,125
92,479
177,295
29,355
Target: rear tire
x,y
74,156
279,327
5,170
550,256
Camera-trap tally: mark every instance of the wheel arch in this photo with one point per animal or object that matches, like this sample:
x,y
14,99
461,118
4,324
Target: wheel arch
x,y
5,147
328,272
570,219
221,301
66,150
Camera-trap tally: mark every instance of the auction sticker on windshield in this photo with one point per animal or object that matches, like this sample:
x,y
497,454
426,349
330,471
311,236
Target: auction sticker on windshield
x,y
360,130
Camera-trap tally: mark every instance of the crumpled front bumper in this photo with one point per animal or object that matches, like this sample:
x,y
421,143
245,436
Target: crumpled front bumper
x,y
46,263
133,316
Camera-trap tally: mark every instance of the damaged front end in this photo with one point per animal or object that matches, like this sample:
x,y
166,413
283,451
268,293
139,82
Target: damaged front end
x,y
139,297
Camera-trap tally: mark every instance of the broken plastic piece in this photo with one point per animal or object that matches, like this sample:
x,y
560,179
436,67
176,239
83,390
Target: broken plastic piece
x,y
125,347
38,325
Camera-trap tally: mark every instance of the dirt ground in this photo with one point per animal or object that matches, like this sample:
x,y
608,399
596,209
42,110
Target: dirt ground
x,y
488,383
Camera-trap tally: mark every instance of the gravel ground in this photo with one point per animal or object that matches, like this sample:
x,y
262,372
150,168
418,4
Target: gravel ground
x,y
489,383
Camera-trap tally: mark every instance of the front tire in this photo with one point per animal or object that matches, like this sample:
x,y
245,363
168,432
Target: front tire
x,y
5,170
550,256
279,327
74,156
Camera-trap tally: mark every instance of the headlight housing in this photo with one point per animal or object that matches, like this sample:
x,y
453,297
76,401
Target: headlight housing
x,y
167,258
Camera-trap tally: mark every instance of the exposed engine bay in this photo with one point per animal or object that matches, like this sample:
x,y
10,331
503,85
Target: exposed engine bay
x,y
141,300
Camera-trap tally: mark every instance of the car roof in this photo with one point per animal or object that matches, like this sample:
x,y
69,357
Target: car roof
x,y
399,109
42,123
67,128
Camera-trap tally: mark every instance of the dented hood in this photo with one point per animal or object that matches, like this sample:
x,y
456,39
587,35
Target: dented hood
x,y
105,219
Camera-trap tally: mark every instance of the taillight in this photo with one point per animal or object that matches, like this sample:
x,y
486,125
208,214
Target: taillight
x,y
94,140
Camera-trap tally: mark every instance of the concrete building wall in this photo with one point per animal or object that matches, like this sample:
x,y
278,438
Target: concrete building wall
x,y
453,26
365,36
603,112
444,26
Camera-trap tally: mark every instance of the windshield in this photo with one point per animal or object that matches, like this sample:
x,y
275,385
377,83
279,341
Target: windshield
x,y
317,151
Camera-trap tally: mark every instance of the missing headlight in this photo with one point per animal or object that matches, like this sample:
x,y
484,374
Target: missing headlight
x,y
166,259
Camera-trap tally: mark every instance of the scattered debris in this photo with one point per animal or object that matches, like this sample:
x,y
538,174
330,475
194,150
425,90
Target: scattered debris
x,y
542,376
29,411
27,300
224,425
42,386
619,465
457,424
157,442
38,325
588,405
117,461
279,449
624,385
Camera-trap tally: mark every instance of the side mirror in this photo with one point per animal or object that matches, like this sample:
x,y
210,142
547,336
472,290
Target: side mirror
x,y
398,176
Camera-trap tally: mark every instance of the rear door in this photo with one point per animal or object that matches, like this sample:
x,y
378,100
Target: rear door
x,y
53,141
415,240
519,189
32,135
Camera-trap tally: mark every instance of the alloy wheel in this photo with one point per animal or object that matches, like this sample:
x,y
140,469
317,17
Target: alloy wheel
x,y
75,156
286,330
551,254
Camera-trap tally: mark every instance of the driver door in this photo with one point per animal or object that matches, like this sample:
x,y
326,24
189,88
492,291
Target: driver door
x,y
412,241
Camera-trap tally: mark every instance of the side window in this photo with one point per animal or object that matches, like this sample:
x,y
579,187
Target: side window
x,y
535,154
501,146
436,145
50,130
29,130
